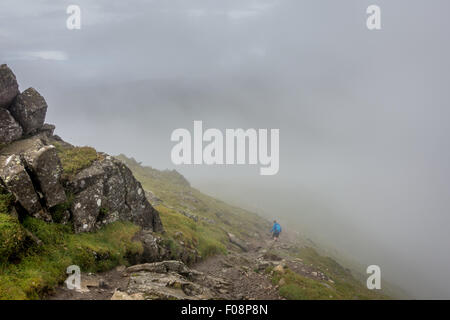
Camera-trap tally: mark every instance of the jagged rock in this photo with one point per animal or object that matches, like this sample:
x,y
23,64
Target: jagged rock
x,y
166,286
86,208
18,182
43,169
29,109
241,244
161,267
141,212
47,129
109,185
153,248
166,280
9,88
10,130
46,167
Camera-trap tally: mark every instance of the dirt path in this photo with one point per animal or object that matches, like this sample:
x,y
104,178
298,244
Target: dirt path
x,y
240,270
243,272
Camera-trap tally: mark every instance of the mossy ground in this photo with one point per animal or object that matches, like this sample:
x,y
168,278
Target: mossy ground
x,y
75,159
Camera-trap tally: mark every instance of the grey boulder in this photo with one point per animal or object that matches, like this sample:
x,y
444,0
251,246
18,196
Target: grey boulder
x,y
44,163
18,182
9,88
106,192
10,130
29,109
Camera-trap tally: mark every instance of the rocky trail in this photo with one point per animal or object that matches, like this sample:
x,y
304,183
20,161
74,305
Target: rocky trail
x,y
239,275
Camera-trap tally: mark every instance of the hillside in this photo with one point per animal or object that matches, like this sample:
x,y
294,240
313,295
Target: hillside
x,y
205,221
134,232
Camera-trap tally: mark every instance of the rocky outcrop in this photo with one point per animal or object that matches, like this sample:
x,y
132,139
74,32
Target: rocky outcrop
x,y
29,109
18,182
45,166
31,170
10,130
106,192
9,88
101,192
155,248
167,280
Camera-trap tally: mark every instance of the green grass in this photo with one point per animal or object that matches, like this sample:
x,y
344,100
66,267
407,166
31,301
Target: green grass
x,y
73,160
40,269
345,286
207,240
12,237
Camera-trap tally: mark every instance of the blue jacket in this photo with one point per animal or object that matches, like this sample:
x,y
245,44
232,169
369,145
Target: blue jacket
x,y
276,228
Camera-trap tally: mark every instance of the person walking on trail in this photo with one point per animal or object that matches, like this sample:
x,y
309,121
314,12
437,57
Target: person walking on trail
x,y
276,230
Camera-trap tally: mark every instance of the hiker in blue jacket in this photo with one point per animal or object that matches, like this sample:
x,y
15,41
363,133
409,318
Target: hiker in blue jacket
x,y
276,230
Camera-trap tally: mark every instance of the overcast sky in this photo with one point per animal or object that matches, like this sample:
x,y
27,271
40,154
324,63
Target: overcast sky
x,y
363,115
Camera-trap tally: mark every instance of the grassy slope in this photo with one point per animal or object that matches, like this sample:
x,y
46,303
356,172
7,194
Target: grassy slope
x,y
178,196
